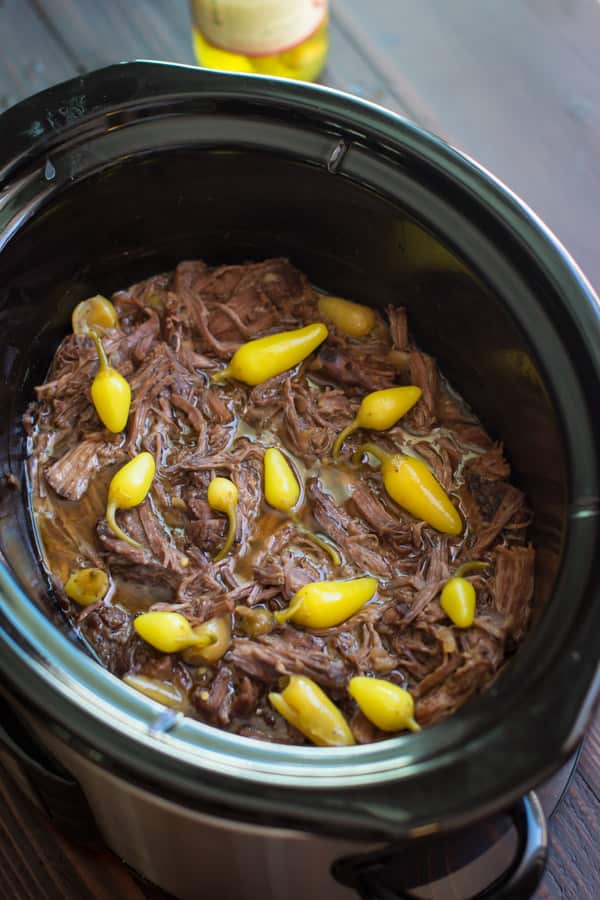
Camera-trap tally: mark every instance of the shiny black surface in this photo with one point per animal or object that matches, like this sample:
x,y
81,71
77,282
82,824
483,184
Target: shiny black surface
x,y
388,874
122,173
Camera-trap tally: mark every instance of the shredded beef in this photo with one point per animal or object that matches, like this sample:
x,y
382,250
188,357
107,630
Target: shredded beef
x,y
353,369
175,331
70,475
291,652
513,587
424,373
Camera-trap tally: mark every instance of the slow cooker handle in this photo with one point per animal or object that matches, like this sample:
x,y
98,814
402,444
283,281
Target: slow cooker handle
x,y
45,782
519,882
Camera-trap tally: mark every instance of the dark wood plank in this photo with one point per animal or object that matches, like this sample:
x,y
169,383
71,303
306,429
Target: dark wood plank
x,y
38,863
99,34
30,57
573,872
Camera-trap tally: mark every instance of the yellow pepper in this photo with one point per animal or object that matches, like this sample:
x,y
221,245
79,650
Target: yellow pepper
x,y
110,392
458,599
170,632
218,633
95,312
223,496
282,492
409,482
386,705
322,604
87,586
305,706
353,319
379,411
265,357
255,620
128,488
164,692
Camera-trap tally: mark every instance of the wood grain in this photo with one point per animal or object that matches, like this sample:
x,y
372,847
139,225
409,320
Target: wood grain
x,y
514,84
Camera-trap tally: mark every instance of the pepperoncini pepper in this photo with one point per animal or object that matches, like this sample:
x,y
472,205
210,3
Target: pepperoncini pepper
x,y
458,598
255,620
223,496
87,586
170,632
323,604
265,357
110,392
379,411
353,319
95,312
164,692
217,631
128,488
386,705
409,482
305,706
282,492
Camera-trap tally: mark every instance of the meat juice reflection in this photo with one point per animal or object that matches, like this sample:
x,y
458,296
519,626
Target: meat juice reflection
x,y
175,332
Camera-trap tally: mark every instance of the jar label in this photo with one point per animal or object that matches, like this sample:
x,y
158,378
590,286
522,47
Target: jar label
x,y
258,27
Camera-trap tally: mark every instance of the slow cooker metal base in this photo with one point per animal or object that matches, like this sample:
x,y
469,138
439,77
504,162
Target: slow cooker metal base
x,y
162,842
481,871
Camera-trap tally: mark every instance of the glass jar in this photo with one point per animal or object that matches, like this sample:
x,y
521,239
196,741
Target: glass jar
x,y
288,38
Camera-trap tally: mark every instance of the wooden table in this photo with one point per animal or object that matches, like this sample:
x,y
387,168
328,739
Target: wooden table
x,y
516,85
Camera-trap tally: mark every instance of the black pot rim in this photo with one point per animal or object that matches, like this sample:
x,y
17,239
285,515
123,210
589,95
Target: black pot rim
x,y
405,785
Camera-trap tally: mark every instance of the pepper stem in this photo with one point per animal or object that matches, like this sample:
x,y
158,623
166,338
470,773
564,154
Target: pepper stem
x,y
412,724
373,449
204,640
282,615
324,545
342,437
100,348
112,524
222,375
230,536
469,567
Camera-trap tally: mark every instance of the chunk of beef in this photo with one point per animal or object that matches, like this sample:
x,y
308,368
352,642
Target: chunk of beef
x,y
310,433
363,647
216,703
489,466
363,731
351,535
372,511
109,629
513,587
398,327
352,369
136,564
70,475
458,686
424,374
246,697
511,505
288,653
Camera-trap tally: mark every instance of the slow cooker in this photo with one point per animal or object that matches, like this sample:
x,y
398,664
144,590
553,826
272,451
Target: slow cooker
x,y
119,174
